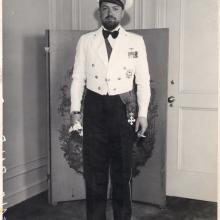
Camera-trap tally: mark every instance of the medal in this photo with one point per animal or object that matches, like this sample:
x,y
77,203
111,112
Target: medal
x,y
131,120
133,54
129,74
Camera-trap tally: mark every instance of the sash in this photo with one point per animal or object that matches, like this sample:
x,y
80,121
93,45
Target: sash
x,y
130,100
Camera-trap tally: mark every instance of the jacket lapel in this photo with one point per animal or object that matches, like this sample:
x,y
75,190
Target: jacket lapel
x,y
99,46
120,45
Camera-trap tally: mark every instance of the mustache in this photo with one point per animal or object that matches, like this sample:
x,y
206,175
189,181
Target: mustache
x,y
110,17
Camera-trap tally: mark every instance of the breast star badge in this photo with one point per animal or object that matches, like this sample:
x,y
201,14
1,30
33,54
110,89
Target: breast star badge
x,y
129,74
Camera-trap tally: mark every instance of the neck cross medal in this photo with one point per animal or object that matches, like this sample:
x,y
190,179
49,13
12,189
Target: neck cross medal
x,y
131,120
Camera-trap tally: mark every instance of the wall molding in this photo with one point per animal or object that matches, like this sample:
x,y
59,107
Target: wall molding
x,y
52,14
22,169
143,8
80,15
60,8
14,174
75,14
161,14
138,14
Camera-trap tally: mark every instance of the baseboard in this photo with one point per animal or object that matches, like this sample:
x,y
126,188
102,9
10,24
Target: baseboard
x,y
24,181
25,193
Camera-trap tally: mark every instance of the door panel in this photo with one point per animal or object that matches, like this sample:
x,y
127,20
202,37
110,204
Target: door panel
x,y
66,181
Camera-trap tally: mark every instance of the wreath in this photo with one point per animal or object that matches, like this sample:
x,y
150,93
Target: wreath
x,y
71,143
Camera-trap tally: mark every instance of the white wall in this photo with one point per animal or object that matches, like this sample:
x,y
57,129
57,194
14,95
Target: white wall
x,y
24,91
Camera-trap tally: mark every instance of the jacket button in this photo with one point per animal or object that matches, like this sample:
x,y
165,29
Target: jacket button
x,y
96,77
93,65
99,88
119,78
114,89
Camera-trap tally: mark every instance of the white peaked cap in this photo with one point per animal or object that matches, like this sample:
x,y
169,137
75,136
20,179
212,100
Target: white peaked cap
x,y
127,3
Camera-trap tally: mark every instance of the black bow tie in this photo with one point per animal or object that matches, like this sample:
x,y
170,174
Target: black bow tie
x,y
107,33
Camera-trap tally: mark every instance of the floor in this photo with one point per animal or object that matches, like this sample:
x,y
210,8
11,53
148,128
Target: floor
x,y
37,208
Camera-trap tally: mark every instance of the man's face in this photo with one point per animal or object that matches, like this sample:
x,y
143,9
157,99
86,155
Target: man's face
x,y
111,15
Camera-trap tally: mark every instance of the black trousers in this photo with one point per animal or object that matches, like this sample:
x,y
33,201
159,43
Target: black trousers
x,y
107,148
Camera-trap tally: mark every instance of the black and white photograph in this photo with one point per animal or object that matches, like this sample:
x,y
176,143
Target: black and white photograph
x,y
110,109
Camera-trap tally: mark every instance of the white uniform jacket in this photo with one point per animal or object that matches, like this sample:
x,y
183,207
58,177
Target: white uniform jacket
x,y
128,61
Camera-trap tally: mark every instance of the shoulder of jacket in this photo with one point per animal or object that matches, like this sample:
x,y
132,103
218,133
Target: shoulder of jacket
x,y
84,38
136,38
89,34
134,35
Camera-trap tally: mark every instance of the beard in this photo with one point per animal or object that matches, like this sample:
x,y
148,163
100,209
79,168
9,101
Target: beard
x,y
110,23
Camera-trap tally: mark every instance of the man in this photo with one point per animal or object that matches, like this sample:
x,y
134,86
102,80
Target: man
x,y
107,62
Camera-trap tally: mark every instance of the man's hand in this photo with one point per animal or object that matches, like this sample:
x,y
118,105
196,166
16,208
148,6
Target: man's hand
x,y
74,118
141,126
76,123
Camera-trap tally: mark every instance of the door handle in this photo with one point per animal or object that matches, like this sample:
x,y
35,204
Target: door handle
x,y
171,99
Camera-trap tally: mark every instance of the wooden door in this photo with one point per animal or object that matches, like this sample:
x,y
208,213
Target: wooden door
x,y
65,166
192,118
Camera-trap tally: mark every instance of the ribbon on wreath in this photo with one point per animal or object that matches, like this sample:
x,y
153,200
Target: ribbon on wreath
x,y
130,100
